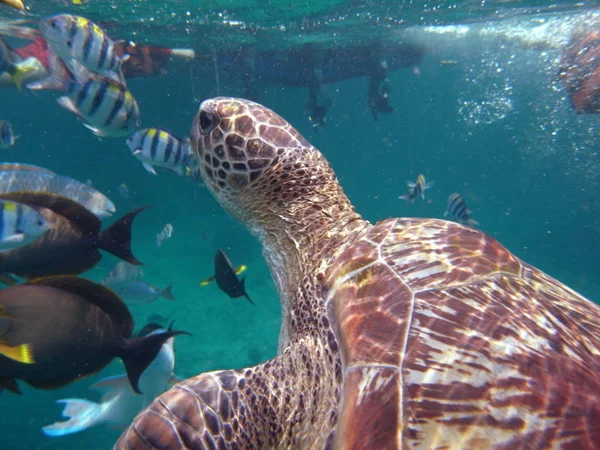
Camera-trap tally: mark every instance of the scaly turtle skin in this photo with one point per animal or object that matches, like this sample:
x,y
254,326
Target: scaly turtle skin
x,y
413,333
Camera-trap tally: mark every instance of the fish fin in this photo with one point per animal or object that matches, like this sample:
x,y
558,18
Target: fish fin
x,y
115,75
429,185
68,104
110,384
179,170
59,76
8,279
20,72
404,197
82,414
116,239
149,168
149,328
97,131
166,293
82,217
243,283
138,353
21,353
472,222
207,281
9,384
411,184
241,269
15,238
95,293
174,379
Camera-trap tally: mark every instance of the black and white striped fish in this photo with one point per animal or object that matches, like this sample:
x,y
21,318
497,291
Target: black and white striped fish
x,y
156,147
77,39
107,106
7,137
457,208
416,190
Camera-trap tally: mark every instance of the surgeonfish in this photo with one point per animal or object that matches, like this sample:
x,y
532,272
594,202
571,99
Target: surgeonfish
x,y
19,225
119,403
157,147
227,277
66,328
78,40
15,177
138,292
17,4
7,136
165,234
457,208
16,71
416,190
72,244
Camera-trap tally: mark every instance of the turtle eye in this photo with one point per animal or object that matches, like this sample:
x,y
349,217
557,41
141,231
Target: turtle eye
x,y
207,121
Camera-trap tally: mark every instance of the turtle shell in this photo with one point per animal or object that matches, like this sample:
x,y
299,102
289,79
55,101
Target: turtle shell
x,y
449,341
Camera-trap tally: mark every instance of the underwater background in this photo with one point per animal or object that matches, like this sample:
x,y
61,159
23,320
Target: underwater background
x,y
495,125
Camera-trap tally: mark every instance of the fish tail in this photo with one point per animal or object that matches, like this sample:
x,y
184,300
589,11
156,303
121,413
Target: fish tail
x,y
20,353
472,222
138,353
10,384
249,299
116,239
167,293
82,414
243,282
207,281
18,74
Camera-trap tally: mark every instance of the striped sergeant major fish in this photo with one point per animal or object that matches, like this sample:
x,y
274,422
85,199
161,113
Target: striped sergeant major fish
x,y
76,39
457,208
19,225
7,137
156,147
416,190
105,106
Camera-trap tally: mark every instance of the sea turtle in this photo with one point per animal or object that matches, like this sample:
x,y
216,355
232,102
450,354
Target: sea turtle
x,y
411,333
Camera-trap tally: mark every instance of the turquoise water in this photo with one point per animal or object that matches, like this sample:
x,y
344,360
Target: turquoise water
x,y
496,127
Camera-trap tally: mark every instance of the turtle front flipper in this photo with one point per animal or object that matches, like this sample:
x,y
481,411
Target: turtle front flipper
x,y
199,413
288,402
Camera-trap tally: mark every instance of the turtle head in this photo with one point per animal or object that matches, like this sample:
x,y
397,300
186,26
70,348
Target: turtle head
x,y
251,159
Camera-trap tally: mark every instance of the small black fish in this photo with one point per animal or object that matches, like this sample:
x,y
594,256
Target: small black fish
x,y
227,277
56,330
72,244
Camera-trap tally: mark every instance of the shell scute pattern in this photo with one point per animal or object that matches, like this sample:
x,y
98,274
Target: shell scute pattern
x,y
434,253
468,330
